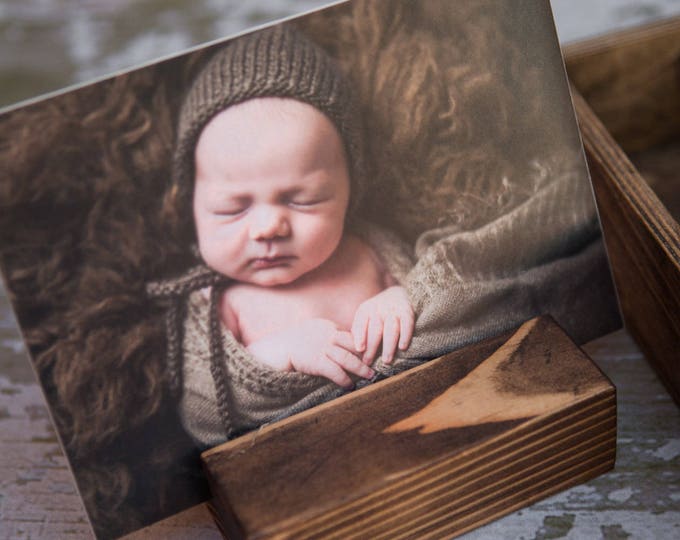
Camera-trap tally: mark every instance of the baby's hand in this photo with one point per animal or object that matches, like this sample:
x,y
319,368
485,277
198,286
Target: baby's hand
x,y
387,317
315,347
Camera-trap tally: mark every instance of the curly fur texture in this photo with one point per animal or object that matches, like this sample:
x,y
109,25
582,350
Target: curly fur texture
x,y
82,190
445,129
87,218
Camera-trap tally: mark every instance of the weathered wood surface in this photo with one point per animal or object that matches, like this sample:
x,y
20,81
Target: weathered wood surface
x,y
641,497
643,242
660,167
430,453
630,79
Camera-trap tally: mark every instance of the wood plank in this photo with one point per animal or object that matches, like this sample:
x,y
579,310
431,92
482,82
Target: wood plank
x,y
643,242
542,416
630,80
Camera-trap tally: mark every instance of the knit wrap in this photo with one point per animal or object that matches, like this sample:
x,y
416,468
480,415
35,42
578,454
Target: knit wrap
x,y
223,390
274,62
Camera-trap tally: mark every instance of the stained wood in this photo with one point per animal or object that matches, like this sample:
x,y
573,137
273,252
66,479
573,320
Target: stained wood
x,y
660,167
643,242
628,92
435,451
630,80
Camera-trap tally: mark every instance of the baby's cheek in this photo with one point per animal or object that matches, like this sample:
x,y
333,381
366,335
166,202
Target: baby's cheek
x,y
217,253
324,235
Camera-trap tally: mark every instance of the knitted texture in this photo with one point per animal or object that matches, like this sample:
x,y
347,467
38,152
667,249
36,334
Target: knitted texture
x,y
544,256
198,277
274,62
226,391
254,394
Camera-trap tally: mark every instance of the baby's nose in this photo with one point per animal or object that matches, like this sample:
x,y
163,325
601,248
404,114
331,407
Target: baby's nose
x,y
268,223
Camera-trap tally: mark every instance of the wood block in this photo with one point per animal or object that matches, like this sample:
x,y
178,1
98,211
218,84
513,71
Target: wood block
x,y
429,453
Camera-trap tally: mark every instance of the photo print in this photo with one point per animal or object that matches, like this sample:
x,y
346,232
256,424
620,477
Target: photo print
x,y
222,239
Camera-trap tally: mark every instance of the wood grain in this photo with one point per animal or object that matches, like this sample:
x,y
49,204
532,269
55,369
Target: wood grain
x,y
643,243
411,456
631,81
660,167
628,92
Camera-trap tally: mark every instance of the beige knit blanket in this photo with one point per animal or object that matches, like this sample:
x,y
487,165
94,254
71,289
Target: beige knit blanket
x,y
546,256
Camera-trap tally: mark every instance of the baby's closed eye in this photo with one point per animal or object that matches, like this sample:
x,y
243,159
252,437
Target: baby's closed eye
x,y
306,201
232,207
230,212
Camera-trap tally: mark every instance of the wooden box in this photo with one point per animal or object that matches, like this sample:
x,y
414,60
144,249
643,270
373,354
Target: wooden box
x,y
626,89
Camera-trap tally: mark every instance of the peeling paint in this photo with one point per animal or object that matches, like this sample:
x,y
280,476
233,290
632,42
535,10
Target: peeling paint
x,y
668,451
36,412
614,532
621,495
555,527
46,439
13,344
28,476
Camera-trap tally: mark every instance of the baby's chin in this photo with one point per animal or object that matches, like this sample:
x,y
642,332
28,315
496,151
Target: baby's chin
x,y
270,278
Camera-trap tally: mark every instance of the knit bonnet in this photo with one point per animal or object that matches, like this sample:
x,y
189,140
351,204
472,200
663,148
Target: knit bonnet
x,y
274,62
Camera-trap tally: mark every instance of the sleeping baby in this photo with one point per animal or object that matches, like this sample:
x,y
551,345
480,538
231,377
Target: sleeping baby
x,y
271,191
302,300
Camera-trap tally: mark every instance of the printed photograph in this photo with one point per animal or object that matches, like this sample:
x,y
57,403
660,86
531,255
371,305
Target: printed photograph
x,y
204,246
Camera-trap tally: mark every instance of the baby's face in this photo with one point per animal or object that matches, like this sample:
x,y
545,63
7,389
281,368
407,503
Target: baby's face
x,y
271,191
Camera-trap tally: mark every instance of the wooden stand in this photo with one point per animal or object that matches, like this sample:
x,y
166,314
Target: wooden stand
x,y
430,453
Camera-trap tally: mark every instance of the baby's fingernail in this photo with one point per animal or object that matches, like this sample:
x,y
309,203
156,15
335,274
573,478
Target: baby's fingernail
x,y
370,373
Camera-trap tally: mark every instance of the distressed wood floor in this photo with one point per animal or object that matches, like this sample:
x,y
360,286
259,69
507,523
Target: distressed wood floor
x,y
639,499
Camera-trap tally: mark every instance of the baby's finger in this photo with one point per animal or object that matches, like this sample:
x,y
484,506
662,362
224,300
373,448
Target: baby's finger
x,y
390,338
359,329
350,363
375,331
407,322
328,368
345,340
